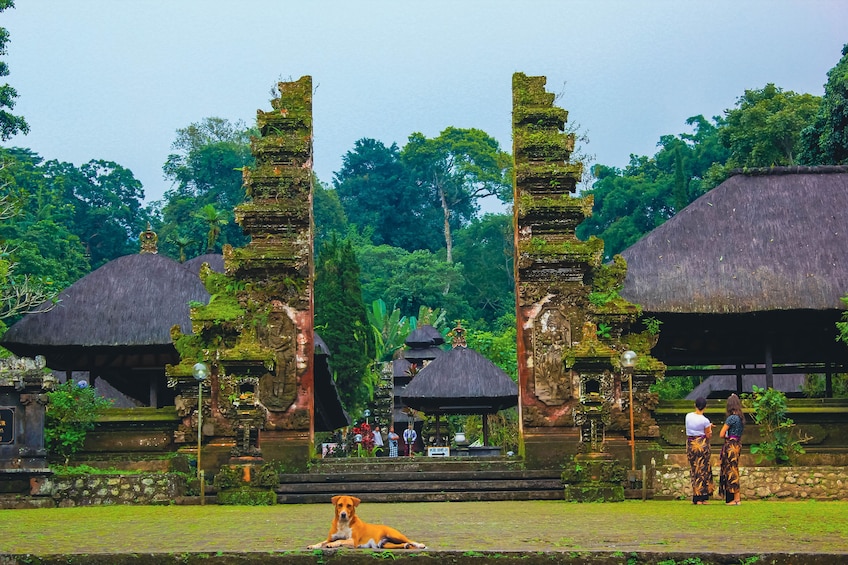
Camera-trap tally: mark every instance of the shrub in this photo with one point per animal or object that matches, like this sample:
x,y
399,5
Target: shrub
x,y
780,439
72,410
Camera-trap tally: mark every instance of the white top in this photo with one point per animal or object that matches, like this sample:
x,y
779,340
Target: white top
x,y
378,439
696,424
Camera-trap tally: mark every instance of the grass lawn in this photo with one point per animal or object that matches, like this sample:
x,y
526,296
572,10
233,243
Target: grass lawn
x,y
655,526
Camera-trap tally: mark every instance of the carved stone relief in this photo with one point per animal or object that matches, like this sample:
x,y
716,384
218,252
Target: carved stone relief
x,y
551,337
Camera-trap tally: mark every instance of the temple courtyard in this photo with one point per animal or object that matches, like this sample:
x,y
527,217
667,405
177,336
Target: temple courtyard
x,y
630,532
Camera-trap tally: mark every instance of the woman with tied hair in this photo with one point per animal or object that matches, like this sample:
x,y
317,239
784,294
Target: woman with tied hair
x,y
731,431
699,430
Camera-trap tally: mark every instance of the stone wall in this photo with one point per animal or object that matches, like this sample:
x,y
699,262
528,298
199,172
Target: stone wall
x,y
784,483
95,490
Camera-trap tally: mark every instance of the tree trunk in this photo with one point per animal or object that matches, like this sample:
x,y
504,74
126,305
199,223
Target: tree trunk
x,y
446,212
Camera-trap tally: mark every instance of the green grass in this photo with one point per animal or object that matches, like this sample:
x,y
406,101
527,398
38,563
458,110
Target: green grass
x,y
761,526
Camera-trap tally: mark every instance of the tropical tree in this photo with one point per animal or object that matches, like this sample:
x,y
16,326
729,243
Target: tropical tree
x,y
631,202
764,130
457,169
391,328
342,321
35,227
825,141
213,219
328,213
205,168
182,242
106,200
409,281
485,249
375,191
10,124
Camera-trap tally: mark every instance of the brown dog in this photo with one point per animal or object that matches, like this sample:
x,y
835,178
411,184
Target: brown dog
x,y
349,531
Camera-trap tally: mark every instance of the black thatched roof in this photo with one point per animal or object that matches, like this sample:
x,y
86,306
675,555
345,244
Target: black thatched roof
x,y
772,239
215,260
131,302
329,412
460,381
420,354
423,337
721,386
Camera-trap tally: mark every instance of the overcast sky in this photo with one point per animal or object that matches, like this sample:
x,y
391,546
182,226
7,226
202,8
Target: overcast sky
x,y
115,79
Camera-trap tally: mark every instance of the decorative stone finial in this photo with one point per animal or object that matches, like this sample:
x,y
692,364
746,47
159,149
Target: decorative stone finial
x,y
148,239
458,334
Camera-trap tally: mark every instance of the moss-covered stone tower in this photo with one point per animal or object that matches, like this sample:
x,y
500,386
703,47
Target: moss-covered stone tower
x,y
256,333
572,324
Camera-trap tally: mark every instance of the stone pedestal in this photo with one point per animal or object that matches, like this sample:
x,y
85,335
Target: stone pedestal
x,y
23,458
594,477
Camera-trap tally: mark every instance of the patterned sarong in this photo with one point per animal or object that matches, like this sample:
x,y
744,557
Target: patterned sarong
x,y
729,481
701,471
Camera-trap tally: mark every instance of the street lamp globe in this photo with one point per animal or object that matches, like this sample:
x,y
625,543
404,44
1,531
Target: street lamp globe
x,y
201,371
628,359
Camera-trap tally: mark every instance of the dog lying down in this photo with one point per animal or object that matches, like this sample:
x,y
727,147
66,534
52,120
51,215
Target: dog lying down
x,y
349,531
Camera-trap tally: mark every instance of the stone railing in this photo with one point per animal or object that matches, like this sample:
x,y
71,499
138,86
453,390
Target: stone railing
x,y
785,483
95,490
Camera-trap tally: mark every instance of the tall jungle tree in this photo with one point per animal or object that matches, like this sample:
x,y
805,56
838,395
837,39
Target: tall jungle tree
x,y
213,219
206,169
107,206
10,124
485,249
764,130
38,255
375,190
457,169
825,141
342,321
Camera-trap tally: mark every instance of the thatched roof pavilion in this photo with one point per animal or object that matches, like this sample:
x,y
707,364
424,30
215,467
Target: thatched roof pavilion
x,y
751,273
115,323
461,381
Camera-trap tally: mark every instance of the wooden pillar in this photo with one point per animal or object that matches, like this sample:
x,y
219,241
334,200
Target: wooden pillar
x,y
828,380
154,398
739,368
769,367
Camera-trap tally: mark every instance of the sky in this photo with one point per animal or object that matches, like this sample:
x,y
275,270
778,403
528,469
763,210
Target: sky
x,y
115,79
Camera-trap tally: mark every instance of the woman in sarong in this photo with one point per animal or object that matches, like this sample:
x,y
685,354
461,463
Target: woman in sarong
x,y
731,431
698,433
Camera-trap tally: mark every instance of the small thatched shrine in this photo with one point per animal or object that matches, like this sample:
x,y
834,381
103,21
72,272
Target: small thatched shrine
x,y
461,381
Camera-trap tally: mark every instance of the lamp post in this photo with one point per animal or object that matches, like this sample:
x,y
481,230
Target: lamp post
x,y
628,361
201,371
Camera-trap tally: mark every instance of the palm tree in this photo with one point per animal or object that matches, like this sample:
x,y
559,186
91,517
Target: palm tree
x,y
214,218
182,241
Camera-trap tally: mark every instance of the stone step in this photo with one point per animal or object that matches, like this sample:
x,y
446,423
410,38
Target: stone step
x,y
348,487
412,477
452,496
420,479
390,464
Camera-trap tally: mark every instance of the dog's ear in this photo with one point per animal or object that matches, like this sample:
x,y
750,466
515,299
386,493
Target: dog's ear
x,y
356,501
335,499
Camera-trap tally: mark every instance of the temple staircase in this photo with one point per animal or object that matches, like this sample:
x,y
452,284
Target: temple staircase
x,y
420,479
